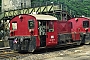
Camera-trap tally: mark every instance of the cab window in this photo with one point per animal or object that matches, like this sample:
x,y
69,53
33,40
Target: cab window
x,y
14,25
85,24
51,26
31,24
71,25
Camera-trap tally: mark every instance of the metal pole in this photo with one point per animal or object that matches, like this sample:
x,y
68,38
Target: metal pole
x,y
61,11
70,12
2,5
66,13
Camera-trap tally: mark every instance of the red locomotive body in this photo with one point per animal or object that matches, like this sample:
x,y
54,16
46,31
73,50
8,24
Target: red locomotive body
x,y
31,32
81,25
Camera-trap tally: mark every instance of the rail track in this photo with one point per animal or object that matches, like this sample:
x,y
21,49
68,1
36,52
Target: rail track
x,y
7,54
5,49
41,54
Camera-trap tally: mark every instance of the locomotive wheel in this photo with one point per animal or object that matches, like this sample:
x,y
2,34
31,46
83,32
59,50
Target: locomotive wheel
x,y
79,43
82,39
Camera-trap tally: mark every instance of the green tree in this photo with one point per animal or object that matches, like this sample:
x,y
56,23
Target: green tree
x,y
81,7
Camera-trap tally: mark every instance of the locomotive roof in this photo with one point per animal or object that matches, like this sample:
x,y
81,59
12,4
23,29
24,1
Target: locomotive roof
x,y
87,17
44,17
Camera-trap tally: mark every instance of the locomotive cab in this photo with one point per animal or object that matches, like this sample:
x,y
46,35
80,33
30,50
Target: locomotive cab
x,y
47,32
45,28
82,25
30,32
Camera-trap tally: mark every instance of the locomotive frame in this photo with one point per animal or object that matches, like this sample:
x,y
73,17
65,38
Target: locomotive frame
x,y
32,32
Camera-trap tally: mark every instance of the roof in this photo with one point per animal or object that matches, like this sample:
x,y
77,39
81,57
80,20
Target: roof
x,y
44,17
87,17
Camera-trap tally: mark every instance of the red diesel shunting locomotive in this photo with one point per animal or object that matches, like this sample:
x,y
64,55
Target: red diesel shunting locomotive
x,y
32,32
82,26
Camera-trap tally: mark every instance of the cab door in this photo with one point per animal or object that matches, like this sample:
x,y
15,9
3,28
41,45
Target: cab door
x,y
51,39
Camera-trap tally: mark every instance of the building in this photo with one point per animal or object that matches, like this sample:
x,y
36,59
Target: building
x,y
14,4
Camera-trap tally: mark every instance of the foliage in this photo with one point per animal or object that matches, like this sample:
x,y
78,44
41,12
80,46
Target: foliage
x,y
81,7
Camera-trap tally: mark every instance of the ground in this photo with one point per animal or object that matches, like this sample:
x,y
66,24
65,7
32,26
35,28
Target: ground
x,y
63,53
80,54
